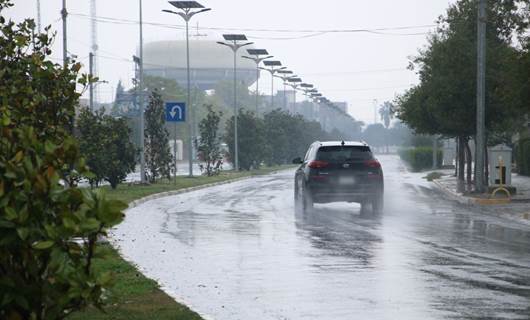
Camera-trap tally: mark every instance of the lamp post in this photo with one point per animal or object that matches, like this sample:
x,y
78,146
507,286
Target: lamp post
x,y
309,92
284,75
480,157
307,89
259,55
234,44
294,82
274,66
312,100
141,97
187,10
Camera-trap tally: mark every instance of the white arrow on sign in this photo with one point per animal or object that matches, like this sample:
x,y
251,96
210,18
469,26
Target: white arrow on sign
x,y
174,110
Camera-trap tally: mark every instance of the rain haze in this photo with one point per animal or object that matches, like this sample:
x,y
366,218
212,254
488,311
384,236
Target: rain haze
x,y
348,187
356,67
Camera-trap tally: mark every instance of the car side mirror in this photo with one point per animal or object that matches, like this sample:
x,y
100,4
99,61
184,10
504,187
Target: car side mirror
x,y
297,160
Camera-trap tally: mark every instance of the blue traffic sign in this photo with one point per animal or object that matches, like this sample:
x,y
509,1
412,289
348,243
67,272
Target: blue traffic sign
x,y
175,112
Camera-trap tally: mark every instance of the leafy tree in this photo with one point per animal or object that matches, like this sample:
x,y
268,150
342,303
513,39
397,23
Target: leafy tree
x,y
375,135
224,95
276,137
386,111
105,143
120,91
48,232
158,156
210,144
169,89
91,136
445,101
119,152
251,141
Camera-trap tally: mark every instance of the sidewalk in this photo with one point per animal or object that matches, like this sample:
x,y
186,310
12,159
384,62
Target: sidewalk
x,y
518,209
448,185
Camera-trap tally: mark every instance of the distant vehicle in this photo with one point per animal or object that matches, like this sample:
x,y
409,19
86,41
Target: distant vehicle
x,y
339,171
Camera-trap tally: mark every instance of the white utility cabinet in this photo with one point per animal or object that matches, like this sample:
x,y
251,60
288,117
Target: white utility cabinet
x,y
500,154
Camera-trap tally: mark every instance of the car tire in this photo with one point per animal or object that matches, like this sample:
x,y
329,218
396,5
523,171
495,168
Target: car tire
x,y
297,197
364,207
378,203
306,200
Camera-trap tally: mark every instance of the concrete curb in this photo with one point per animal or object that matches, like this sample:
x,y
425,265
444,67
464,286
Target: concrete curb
x,y
519,217
468,200
155,196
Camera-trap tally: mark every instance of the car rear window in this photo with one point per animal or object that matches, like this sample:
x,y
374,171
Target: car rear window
x,y
340,154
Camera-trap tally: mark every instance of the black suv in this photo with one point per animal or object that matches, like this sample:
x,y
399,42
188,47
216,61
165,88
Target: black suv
x,y
339,171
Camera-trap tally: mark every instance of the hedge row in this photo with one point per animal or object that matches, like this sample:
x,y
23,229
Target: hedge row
x,y
420,158
523,157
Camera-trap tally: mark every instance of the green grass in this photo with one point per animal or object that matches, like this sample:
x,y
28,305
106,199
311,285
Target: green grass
x,y
133,296
128,193
433,176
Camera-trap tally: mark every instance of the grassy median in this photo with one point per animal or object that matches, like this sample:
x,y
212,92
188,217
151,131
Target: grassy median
x,y
134,296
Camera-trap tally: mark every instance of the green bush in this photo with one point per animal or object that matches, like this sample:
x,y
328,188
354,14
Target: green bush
x,y
48,232
420,158
523,157
105,144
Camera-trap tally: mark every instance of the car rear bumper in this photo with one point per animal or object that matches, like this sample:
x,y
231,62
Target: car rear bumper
x,y
365,193
347,197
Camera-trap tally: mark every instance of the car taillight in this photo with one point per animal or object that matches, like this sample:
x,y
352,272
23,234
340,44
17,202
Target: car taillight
x,y
317,164
372,164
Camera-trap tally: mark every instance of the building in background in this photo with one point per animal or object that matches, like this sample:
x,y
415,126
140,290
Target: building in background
x,y
209,63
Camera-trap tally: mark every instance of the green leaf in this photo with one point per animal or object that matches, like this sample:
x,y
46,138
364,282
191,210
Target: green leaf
x,y
6,224
23,233
90,224
11,214
105,278
42,245
22,301
69,223
10,175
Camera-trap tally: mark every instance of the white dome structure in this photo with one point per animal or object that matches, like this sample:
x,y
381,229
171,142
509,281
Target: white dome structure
x,y
210,63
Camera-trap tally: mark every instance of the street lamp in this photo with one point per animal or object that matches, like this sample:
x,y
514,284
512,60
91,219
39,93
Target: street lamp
x,y
258,56
284,75
272,70
309,92
294,82
232,43
186,13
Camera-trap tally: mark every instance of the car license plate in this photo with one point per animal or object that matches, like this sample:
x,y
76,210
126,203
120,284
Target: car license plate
x,y
346,180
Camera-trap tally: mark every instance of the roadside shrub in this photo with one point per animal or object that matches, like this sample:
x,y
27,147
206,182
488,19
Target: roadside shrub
x,y
158,158
523,157
48,232
420,158
105,143
210,142
251,139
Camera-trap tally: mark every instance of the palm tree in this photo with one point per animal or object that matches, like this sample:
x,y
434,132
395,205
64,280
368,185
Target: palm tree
x,y
386,111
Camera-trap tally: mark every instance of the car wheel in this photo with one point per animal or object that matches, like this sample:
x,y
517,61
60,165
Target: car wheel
x,y
378,203
306,199
297,196
364,207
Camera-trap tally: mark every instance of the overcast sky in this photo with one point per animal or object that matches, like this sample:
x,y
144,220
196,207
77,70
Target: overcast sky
x,y
356,67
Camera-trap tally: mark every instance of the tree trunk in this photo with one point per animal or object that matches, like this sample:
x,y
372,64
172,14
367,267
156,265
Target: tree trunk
x,y
461,164
456,158
469,162
486,164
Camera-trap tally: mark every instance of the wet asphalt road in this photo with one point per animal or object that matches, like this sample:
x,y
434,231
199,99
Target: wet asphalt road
x,y
239,251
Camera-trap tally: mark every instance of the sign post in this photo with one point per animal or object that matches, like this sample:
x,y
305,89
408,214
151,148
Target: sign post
x,y
175,112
